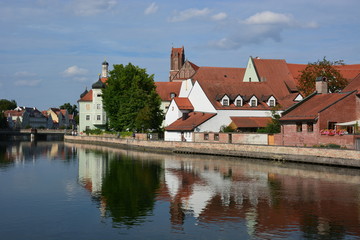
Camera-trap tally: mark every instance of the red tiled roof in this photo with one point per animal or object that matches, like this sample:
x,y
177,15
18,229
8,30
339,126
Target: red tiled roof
x,y
347,71
250,122
165,88
193,120
13,113
183,103
276,76
353,85
87,97
309,108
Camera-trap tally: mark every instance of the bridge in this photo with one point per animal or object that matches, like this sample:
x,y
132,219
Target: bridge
x,y
32,134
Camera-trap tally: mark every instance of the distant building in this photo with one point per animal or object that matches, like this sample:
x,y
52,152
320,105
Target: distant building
x,y
26,117
60,117
91,112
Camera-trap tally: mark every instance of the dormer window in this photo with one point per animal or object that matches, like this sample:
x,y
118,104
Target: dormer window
x,y
253,101
272,103
225,100
172,95
238,101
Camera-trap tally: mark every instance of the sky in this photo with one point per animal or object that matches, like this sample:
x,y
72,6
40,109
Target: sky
x,y
51,50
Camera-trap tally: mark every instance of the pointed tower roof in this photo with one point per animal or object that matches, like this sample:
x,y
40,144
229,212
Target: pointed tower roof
x,y
84,93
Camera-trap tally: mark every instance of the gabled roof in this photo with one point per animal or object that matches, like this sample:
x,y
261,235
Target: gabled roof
x,y
310,107
193,120
183,103
353,85
87,97
165,88
348,71
250,122
276,80
13,113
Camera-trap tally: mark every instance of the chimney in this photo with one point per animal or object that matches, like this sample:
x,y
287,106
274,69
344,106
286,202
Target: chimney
x,y
185,115
321,85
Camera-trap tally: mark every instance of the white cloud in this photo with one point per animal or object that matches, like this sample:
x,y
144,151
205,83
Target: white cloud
x,y
75,71
189,13
259,28
219,16
151,9
28,83
25,74
268,17
92,7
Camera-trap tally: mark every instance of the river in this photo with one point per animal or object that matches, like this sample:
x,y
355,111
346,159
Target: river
x,y
56,190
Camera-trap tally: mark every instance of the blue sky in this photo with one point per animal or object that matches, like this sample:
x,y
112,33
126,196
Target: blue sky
x,y
52,49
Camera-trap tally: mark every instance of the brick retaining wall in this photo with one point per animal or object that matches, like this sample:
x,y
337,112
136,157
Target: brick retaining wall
x,y
336,157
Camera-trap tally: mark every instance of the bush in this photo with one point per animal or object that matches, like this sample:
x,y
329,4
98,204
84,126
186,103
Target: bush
x,y
330,145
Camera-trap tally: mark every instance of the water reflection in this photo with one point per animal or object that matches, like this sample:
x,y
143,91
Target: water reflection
x,y
17,153
268,199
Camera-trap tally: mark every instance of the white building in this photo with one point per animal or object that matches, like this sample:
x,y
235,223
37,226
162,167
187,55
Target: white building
x,y
241,97
91,112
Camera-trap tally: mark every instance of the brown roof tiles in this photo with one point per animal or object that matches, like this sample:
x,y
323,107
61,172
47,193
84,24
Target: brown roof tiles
x,y
193,120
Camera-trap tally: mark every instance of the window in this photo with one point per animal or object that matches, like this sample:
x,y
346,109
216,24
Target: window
x,y
225,102
98,117
249,79
99,95
87,106
87,128
238,103
172,95
98,106
272,103
299,127
206,136
216,137
87,117
253,103
331,125
310,127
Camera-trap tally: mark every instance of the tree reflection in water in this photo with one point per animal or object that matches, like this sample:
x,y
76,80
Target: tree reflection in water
x,y
128,189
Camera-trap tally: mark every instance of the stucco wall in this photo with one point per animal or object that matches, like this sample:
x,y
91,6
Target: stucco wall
x,y
243,138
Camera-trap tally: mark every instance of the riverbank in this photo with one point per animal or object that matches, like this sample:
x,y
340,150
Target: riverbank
x,y
332,157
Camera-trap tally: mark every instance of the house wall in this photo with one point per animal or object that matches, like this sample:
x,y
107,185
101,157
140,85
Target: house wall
x,y
199,100
172,114
290,137
98,109
223,118
342,111
242,138
85,108
186,87
179,136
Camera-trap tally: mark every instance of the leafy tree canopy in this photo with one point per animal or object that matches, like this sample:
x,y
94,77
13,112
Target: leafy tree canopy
x,y
322,68
130,99
274,125
7,105
72,109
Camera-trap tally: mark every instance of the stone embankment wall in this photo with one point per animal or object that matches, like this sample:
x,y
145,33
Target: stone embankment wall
x,y
335,157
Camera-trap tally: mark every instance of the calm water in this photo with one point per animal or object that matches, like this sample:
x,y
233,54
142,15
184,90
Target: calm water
x,y
52,190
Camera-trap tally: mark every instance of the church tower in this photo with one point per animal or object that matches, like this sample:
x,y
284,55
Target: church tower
x,y
177,60
105,69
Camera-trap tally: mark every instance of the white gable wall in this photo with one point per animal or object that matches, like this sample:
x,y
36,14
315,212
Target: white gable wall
x,y
199,100
185,89
173,113
250,72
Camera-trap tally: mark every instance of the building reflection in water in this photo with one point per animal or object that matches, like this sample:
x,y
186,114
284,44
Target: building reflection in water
x,y
264,197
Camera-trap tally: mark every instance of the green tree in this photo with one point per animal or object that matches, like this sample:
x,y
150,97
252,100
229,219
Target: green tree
x,y
130,99
72,109
7,105
324,68
274,125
